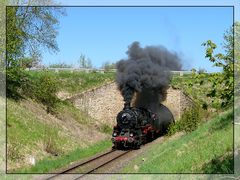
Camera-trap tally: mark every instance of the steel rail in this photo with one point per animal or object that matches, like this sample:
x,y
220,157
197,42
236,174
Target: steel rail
x,y
107,162
80,164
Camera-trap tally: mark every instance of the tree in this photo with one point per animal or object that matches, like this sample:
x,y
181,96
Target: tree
x,y
29,30
222,83
89,63
237,57
2,34
201,70
27,62
108,66
14,44
237,40
84,62
2,47
193,70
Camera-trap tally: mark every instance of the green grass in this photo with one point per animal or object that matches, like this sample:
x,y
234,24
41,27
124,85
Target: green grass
x,y
25,131
221,164
27,135
51,164
202,151
76,82
66,110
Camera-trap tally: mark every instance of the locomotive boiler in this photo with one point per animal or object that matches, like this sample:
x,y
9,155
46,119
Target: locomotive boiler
x,y
136,126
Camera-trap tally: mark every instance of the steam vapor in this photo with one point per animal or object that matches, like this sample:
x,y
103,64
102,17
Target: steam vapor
x,y
146,71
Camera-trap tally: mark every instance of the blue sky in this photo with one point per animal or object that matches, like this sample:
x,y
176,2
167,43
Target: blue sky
x,y
104,33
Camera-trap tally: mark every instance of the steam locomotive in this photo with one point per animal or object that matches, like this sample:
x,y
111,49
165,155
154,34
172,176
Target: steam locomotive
x,y
137,126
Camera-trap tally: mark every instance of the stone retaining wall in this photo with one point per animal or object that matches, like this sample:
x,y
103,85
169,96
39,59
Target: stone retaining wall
x,y
103,103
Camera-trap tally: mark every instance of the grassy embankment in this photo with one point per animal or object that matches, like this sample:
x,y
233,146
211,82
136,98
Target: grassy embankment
x,y
31,132
77,82
51,164
205,150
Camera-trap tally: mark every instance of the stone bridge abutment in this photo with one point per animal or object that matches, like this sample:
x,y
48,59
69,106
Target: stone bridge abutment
x,y
103,103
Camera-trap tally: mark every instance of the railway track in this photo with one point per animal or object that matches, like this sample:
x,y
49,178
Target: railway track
x,y
90,166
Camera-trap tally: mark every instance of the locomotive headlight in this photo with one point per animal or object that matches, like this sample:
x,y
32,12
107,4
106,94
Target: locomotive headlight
x,y
114,134
131,134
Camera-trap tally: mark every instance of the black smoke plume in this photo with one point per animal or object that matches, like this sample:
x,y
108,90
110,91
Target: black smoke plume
x,y
146,72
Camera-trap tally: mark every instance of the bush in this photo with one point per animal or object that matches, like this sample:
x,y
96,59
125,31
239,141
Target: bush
x,y
188,122
106,129
173,128
17,82
44,89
